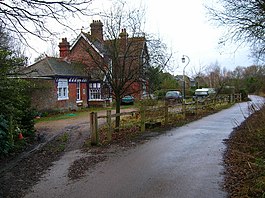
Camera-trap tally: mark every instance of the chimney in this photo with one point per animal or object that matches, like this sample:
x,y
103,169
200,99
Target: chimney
x,y
64,48
97,30
123,34
123,39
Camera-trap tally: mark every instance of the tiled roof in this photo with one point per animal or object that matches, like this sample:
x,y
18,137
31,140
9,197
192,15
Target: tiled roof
x,y
136,44
100,46
51,67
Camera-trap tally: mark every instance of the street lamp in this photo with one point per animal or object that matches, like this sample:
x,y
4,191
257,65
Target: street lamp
x,y
183,59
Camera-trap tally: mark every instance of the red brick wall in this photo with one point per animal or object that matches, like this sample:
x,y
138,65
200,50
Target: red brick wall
x,y
44,96
82,52
135,90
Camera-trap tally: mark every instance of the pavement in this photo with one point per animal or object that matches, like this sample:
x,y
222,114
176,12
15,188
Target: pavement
x,y
185,162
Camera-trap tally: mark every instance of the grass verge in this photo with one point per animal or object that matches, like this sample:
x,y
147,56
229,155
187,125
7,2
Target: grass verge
x,y
245,158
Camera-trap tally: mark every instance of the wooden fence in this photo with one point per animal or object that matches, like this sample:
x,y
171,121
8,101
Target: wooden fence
x,y
153,116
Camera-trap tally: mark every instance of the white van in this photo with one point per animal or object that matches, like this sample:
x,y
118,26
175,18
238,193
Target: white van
x,y
204,92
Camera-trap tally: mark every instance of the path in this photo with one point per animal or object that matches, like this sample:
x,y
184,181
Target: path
x,y
78,128
186,162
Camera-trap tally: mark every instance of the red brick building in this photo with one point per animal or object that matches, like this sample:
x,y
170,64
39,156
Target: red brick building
x,y
57,84
77,78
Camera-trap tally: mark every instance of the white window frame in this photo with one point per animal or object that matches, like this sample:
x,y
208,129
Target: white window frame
x,y
95,91
78,90
62,89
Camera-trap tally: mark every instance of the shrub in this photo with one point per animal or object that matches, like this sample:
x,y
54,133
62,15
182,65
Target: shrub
x,y
244,94
5,143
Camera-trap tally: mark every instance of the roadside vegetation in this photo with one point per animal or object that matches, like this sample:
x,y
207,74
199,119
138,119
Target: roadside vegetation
x,y
245,158
16,116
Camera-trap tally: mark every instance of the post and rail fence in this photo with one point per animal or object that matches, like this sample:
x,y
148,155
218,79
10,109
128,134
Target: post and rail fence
x,y
156,115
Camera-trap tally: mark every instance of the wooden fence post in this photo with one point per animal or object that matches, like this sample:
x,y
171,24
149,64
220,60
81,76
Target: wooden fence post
x,y
109,132
94,128
196,106
142,113
166,113
183,107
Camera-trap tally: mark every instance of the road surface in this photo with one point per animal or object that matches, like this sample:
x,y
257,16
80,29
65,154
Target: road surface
x,y
186,162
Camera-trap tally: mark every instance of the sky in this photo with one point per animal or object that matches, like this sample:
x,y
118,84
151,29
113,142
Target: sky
x,y
184,27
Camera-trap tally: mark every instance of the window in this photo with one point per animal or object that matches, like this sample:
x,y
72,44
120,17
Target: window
x,y
78,90
62,89
94,91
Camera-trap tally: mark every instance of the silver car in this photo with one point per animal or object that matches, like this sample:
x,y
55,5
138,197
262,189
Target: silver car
x,y
173,96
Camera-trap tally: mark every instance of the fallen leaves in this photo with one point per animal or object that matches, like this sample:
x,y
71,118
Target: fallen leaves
x,y
78,169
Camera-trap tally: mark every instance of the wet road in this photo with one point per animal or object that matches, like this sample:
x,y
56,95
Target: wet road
x,y
186,162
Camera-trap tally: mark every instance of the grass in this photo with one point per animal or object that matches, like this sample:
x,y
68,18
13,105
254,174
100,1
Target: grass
x,y
83,112
61,116
59,144
64,138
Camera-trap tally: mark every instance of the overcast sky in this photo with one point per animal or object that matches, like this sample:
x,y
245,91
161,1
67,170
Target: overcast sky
x,y
185,28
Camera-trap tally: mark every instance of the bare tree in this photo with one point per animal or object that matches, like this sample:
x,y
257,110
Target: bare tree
x,y
159,60
8,43
126,57
245,21
23,17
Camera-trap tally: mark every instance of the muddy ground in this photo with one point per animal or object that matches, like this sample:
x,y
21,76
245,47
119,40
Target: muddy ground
x,y
19,173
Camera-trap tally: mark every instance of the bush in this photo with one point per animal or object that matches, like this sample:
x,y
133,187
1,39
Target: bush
x,y
160,94
5,143
244,94
14,99
149,102
27,123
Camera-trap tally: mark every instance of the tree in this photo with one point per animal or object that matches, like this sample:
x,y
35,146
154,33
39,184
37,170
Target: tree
x,y
159,58
254,79
121,65
168,82
245,21
235,78
22,17
14,101
126,52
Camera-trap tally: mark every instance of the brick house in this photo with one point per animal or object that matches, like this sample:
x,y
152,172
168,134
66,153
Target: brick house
x,y
56,85
74,79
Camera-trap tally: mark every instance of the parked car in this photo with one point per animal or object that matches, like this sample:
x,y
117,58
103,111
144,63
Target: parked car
x,y
173,96
127,100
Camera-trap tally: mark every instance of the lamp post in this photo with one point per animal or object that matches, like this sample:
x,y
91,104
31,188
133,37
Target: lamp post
x,y
183,59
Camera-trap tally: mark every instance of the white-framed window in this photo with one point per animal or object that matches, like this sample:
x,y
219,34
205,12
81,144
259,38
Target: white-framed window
x,y
78,90
94,91
62,89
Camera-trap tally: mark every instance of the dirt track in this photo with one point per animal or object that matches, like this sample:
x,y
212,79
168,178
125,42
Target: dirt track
x,y
21,173
78,128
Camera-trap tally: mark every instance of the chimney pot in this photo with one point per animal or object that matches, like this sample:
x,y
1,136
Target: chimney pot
x,y
64,48
97,30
